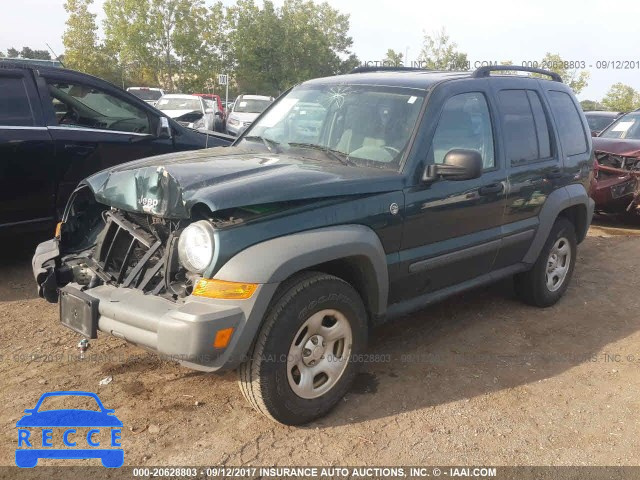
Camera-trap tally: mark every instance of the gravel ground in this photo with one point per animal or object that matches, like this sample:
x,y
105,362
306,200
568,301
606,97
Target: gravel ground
x,y
478,379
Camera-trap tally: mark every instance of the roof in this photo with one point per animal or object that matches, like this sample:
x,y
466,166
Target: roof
x,y
19,63
31,62
256,97
603,113
180,95
420,79
417,78
155,89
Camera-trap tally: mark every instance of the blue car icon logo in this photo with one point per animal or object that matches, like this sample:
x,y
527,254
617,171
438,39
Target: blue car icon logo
x,y
32,446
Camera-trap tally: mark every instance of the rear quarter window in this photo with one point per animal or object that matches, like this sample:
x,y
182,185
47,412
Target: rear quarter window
x,y
569,122
15,109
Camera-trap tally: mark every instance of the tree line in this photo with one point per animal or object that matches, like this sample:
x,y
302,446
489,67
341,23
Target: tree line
x,y
181,45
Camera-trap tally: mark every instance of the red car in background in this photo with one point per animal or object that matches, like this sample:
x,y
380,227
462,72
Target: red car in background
x,y
616,186
218,101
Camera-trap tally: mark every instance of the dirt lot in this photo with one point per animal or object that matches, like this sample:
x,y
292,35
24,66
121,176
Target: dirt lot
x,y
478,379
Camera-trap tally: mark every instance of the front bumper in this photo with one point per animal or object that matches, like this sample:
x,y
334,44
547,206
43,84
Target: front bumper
x,y
182,331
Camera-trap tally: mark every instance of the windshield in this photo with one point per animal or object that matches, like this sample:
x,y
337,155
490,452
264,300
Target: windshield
x,y
366,125
599,122
251,106
146,94
179,104
627,126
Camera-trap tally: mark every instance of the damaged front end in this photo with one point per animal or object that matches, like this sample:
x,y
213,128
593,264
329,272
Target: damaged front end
x,y
97,244
616,187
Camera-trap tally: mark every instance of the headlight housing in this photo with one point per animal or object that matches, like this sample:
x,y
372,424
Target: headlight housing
x,y
196,246
234,121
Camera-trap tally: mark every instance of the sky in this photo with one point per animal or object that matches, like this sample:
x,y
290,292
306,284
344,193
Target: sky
x,y
589,31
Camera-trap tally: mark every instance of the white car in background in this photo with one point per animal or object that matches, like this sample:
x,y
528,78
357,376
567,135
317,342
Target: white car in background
x,y
188,110
245,110
148,94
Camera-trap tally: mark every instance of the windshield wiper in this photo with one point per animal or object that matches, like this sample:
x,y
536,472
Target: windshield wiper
x,y
271,145
335,154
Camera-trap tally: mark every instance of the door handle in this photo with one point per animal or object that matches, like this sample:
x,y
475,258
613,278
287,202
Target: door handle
x,y
490,189
79,149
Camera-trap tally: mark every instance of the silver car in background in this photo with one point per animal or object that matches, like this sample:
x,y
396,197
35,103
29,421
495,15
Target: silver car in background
x,y
188,110
245,110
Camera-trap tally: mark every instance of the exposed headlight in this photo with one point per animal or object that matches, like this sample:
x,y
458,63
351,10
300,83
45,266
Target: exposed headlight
x,y
234,121
196,246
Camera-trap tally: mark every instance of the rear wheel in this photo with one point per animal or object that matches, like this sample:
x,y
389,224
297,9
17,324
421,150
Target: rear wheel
x,y
546,282
302,364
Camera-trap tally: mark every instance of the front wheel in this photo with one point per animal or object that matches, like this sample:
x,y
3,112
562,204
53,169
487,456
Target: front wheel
x,y
302,362
546,282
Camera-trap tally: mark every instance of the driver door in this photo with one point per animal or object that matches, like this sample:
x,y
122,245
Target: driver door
x,y
452,228
94,126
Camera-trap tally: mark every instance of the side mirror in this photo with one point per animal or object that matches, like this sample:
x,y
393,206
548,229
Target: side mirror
x,y
459,164
164,129
208,110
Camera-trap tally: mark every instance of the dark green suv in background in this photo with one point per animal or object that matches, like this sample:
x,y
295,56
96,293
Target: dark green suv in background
x,y
351,200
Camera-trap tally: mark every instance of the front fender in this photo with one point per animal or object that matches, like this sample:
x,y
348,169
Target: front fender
x,y
275,260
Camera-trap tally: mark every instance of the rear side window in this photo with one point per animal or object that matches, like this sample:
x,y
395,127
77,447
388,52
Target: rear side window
x,y
15,109
569,123
526,131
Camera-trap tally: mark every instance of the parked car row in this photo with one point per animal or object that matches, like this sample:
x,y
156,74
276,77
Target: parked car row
x,y
210,113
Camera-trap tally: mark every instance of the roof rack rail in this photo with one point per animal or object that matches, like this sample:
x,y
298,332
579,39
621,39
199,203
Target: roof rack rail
x,y
387,69
483,72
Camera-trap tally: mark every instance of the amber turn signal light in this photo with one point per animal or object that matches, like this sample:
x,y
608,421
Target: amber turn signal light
x,y
211,288
58,230
223,337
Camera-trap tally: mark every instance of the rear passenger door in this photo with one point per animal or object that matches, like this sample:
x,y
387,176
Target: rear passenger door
x,y
27,164
533,159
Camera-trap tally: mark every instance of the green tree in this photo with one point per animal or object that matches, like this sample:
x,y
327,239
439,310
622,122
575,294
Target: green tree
x,y
274,48
27,52
440,53
621,98
83,51
173,43
393,58
575,78
351,62
590,105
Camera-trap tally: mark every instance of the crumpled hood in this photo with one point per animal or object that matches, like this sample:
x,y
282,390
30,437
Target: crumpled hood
x,y
227,177
617,146
179,113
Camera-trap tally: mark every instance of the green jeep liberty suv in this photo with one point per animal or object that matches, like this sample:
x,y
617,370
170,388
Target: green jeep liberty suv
x,y
351,200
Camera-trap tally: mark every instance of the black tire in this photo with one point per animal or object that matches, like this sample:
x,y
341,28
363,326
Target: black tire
x,y
263,378
531,286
